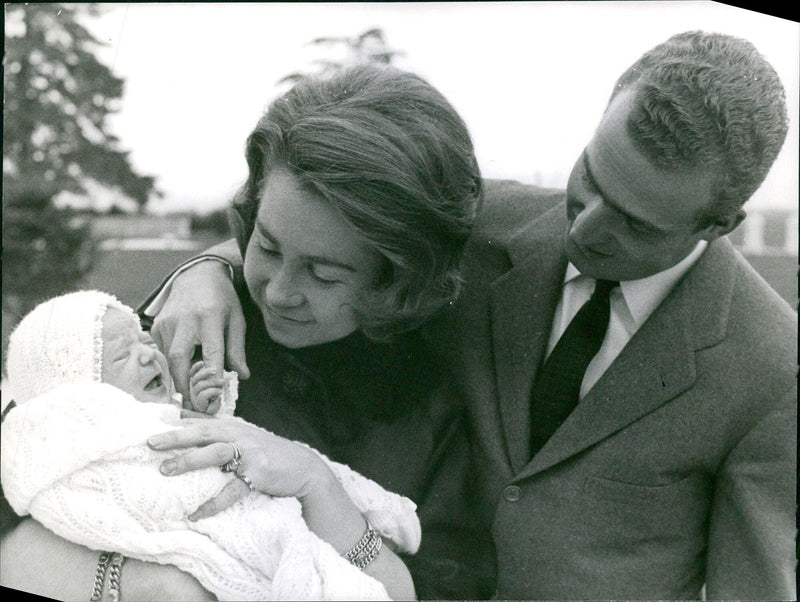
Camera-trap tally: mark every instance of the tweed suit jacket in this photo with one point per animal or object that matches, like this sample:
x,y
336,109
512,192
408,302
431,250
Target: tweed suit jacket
x,y
676,470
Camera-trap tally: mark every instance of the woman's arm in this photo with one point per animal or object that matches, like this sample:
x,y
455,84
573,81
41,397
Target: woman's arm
x,y
35,560
279,467
329,512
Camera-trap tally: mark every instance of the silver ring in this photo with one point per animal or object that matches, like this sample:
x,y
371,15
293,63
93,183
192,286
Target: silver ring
x,y
247,481
235,462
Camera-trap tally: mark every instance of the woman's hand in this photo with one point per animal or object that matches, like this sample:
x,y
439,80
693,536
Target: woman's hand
x,y
279,467
202,309
273,465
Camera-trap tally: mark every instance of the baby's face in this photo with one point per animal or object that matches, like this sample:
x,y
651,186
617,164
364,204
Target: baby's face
x,y
131,360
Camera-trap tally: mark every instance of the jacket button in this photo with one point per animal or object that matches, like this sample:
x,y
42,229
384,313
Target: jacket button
x,y
512,493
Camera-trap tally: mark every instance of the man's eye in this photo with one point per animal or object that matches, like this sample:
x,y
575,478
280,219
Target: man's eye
x,y
123,357
638,226
587,181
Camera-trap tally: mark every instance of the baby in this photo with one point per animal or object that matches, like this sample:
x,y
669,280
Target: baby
x,y
90,387
132,362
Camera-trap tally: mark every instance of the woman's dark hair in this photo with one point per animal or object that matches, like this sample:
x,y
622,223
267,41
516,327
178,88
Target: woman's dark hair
x,y
393,157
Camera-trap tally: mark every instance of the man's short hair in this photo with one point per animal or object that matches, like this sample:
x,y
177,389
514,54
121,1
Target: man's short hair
x,y
708,100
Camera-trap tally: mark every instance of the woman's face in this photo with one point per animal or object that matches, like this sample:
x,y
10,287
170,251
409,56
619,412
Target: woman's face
x,y
305,266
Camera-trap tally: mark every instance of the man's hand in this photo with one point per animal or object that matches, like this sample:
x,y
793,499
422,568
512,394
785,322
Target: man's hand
x,y
202,309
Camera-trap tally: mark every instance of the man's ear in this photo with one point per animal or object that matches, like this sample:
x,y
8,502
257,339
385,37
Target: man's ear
x,y
724,224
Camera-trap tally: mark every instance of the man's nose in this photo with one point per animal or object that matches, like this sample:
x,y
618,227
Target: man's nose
x,y
593,225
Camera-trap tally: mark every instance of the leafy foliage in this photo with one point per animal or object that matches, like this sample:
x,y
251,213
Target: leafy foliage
x,y
44,251
57,98
367,47
216,222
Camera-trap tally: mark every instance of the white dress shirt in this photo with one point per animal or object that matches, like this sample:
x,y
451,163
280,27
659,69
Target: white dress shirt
x,y
631,304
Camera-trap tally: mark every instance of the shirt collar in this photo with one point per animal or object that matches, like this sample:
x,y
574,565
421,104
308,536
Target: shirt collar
x,y
644,295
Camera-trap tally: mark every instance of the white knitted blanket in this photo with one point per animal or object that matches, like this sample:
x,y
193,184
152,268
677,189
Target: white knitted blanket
x,y
76,460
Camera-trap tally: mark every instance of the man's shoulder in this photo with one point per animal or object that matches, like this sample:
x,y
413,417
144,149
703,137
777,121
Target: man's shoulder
x,y
510,191
756,299
759,321
749,289
509,206
511,217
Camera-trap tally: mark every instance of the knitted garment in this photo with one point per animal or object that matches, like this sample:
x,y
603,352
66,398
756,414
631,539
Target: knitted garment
x,y
76,459
59,341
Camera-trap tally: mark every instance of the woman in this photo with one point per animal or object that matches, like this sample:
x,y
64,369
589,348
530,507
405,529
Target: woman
x,y
361,192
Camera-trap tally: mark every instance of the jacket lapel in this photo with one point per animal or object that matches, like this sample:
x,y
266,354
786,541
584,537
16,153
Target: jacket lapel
x,y
656,365
522,305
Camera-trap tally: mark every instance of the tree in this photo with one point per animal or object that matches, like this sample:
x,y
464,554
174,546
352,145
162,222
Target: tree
x,y
45,250
57,98
367,47
215,222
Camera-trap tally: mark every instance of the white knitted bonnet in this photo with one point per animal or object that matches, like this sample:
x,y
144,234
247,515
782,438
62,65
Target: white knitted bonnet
x,y
60,341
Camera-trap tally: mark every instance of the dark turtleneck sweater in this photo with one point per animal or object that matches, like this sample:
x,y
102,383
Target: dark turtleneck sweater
x,y
385,410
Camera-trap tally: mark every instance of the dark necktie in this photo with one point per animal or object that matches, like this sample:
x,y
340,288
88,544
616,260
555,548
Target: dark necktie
x,y
557,388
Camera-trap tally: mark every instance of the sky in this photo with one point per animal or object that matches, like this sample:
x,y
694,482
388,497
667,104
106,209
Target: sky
x,y
531,79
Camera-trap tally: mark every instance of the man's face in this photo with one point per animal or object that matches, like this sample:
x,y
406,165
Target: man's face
x,y
628,219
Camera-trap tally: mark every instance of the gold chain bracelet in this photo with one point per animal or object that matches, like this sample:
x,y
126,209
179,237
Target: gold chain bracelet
x,y
115,559
100,577
367,548
114,575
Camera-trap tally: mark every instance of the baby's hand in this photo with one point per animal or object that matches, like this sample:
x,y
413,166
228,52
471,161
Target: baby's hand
x,y
205,387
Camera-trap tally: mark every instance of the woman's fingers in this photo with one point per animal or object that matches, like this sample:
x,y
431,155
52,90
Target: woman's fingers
x,y
232,492
234,342
275,465
216,454
180,343
199,432
188,319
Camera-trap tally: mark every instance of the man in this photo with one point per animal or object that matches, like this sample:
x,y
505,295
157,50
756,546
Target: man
x,y
677,467
642,447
